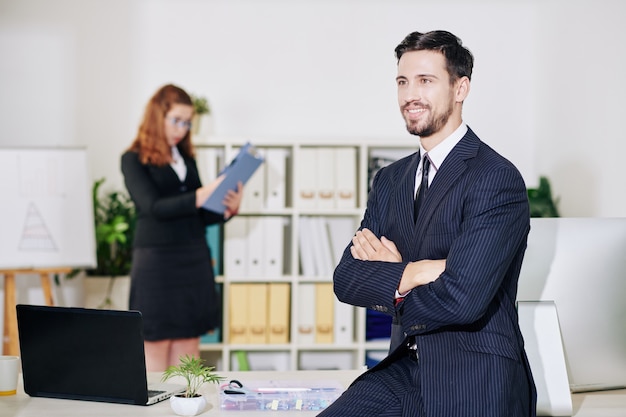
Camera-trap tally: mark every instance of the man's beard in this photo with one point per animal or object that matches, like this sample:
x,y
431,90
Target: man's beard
x,y
431,126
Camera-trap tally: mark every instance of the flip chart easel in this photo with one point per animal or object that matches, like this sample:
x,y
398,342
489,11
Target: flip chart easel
x,y
10,341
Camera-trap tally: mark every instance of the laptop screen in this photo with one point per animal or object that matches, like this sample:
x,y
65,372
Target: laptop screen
x,y
82,354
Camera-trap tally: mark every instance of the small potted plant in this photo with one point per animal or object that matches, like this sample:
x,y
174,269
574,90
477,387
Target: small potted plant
x,y
195,373
201,124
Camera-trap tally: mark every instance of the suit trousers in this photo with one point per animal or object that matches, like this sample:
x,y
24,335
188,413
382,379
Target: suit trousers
x,y
393,391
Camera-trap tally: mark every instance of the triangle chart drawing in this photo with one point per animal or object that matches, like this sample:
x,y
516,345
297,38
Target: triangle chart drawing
x,y
35,236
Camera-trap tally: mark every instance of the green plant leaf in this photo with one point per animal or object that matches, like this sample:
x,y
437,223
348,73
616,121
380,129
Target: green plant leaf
x,y
195,373
114,222
540,199
200,105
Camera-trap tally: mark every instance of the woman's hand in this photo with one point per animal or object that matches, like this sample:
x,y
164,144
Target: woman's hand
x,y
232,201
203,193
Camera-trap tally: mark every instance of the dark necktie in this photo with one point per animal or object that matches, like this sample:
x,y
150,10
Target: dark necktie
x,y
419,198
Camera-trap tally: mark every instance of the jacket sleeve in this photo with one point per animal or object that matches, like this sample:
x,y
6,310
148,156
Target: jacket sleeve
x,y
488,248
370,284
146,194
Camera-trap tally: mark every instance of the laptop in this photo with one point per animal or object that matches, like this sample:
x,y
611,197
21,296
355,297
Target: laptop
x,y
86,354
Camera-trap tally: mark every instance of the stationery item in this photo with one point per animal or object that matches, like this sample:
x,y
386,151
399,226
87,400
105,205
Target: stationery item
x,y
276,178
306,171
279,395
279,296
306,313
238,307
86,354
345,178
324,312
257,313
241,169
9,367
236,247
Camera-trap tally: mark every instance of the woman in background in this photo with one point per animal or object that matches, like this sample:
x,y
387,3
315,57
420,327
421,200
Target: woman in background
x,y
172,281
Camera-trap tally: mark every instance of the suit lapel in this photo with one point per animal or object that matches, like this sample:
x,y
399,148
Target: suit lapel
x,y
408,189
453,166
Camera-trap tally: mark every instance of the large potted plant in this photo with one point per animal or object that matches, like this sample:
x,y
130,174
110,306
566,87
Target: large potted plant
x,y
196,374
542,204
114,222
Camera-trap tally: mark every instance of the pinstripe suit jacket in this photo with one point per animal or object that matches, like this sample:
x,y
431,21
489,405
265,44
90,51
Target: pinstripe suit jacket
x,y
471,355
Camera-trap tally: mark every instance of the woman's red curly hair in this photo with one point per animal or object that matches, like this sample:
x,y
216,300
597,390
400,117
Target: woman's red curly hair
x,y
150,143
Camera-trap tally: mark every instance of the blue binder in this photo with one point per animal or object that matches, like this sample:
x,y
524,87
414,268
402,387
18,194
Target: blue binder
x,y
247,161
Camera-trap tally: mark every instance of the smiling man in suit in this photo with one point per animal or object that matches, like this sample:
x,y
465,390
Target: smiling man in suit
x,y
446,266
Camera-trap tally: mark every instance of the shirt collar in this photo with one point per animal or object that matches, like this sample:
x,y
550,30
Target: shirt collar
x,y
441,151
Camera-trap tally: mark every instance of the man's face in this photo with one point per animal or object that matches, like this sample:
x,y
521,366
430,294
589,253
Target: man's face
x,y
425,95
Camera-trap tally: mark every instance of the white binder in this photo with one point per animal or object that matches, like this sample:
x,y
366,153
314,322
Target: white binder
x,y
236,247
257,241
306,179
254,192
321,247
345,178
305,244
274,246
340,231
325,172
208,161
344,323
275,178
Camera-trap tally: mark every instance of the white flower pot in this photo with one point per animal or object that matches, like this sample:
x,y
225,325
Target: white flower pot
x,y
187,406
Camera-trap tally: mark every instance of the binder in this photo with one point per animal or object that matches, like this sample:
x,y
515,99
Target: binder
x,y
306,179
306,313
208,160
214,240
326,173
256,246
305,245
254,192
324,312
321,247
257,313
345,178
241,169
236,247
340,232
278,312
343,323
238,314
273,246
275,178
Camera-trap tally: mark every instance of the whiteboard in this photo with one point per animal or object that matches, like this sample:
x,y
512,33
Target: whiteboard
x,y
46,213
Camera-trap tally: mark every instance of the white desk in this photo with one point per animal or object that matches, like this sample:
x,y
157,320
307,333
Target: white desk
x,y
22,405
594,404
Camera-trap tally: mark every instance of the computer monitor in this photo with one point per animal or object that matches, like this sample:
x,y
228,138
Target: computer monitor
x,y
580,264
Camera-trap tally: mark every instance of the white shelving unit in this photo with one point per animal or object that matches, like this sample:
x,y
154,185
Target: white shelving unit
x,y
291,355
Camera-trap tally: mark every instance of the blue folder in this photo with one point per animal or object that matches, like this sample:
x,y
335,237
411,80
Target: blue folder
x,y
247,161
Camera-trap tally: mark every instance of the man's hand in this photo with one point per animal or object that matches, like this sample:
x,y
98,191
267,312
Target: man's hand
x,y
421,273
367,247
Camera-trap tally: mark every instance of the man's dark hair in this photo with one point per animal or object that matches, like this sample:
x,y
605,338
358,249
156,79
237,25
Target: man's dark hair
x,y
459,60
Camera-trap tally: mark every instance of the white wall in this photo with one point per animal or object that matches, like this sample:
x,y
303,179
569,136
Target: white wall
x,y
546,88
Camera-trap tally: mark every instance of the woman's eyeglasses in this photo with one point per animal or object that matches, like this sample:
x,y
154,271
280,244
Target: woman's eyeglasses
x,y
175,121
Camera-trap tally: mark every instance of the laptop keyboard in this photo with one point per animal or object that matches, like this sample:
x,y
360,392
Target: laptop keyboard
x,y
154,392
